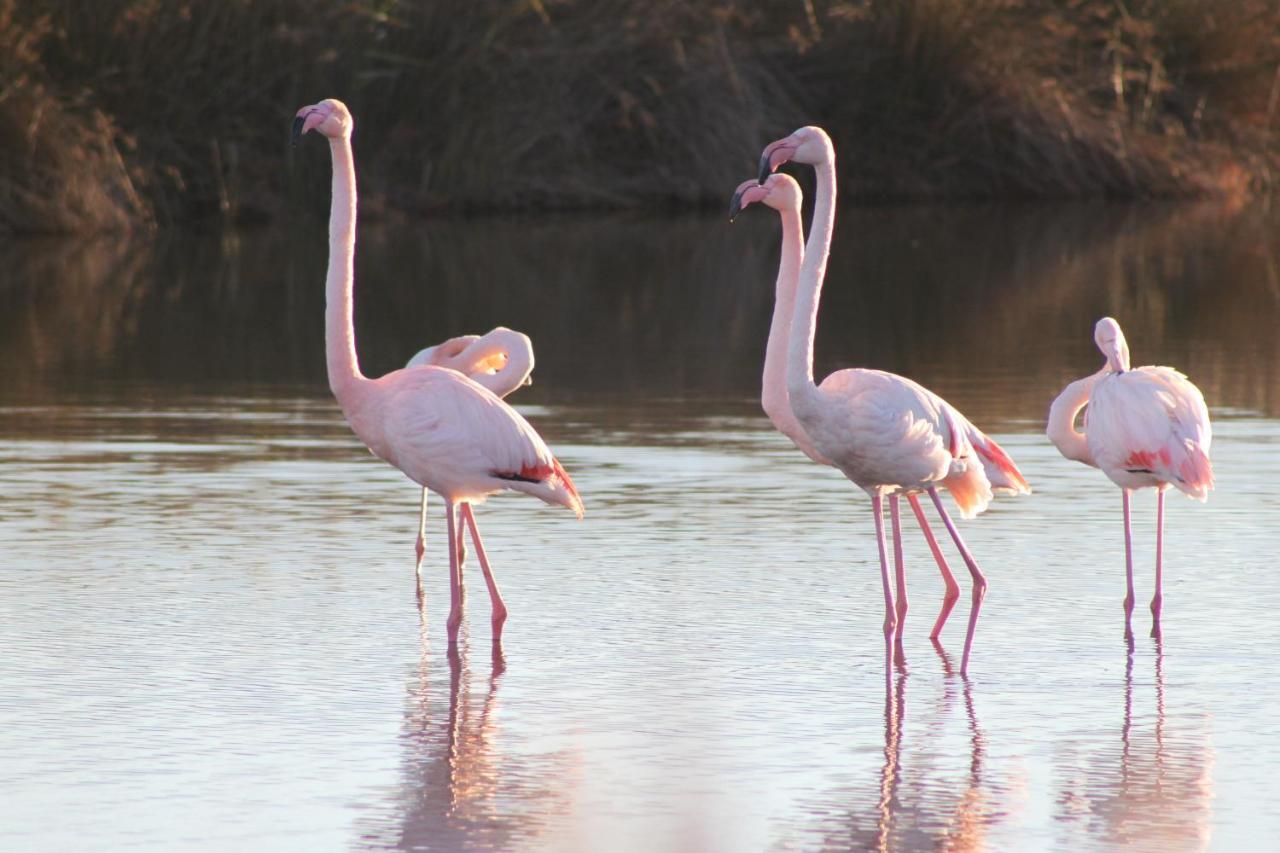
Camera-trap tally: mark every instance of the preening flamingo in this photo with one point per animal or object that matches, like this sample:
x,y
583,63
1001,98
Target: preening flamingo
x,y
444,431
1145,426
500,360
884,432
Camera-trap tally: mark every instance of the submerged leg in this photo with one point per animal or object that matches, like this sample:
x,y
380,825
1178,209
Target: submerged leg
x,y
979,581
890,620
900,575
1158,599
495,596
953,589
1128,566
455,574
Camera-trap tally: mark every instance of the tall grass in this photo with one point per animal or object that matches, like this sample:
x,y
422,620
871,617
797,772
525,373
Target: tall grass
x,y
141,110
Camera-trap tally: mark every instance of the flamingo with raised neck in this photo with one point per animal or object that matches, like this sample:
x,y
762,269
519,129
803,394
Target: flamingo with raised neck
x,y
442,430
887,434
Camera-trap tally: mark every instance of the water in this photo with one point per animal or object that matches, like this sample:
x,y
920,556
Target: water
x,y
209,633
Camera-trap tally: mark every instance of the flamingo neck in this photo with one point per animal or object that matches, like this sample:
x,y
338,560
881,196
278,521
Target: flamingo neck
x,y
774,387
804,322
339,329
515,369
1061,429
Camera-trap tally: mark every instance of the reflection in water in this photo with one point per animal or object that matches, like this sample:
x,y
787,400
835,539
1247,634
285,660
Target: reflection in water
x,y
988,305
461,789
1157,794
925,805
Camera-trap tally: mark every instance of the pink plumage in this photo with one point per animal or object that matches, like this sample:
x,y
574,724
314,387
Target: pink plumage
x,y
887,434
446,432
1144,427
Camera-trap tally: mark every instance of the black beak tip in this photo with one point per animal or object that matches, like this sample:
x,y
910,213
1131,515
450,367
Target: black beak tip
x,y
765,169
735,206
296,133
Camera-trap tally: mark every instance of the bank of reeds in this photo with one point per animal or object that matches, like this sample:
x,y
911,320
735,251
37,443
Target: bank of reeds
x,y
139,111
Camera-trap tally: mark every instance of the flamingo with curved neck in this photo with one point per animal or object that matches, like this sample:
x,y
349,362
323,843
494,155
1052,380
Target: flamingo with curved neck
x,y
500,360
1145,427
887,434
444,431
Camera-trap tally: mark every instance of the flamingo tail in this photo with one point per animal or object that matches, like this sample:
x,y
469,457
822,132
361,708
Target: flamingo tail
x,y
970,490
1003,474
554,486
1194,472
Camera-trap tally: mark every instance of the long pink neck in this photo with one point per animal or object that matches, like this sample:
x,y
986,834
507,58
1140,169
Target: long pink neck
x,y
1061,428
774,386
804,323
339,329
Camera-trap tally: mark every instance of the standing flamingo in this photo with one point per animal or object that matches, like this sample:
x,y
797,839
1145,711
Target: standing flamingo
x,y
884,432
1145,426
500,360
782,193
443,430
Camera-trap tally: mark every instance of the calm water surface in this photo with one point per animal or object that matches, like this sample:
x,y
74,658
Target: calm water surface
x,y
208,629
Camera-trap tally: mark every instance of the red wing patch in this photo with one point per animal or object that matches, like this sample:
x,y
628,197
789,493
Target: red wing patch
x,y
1145,460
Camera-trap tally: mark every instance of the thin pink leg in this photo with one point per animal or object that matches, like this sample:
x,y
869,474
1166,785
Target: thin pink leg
x,y
890,620
1158,599
421,546
899,569
495,595
455,587
953,589
979,581
1128,566
460,549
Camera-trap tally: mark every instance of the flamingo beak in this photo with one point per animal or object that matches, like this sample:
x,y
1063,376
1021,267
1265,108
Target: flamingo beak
x,y
766,168
296,133
735,205
774,155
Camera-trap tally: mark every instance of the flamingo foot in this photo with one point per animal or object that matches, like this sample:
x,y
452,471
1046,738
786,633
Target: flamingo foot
x,y
1128,616
1156,605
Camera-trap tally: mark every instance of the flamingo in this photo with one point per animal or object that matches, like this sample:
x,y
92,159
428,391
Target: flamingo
x,y
500,360
782,193
444,431
887,434
1144,426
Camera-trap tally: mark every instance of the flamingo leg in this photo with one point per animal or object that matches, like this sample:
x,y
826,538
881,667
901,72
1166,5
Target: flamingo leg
x,y
979,580
890,620
495,595
899,571
1158,599
455,575
953,589
1128,565
421,545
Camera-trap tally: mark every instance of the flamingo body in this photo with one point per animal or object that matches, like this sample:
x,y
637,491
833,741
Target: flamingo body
x,y
885,433
443,430
1149,427
1145,427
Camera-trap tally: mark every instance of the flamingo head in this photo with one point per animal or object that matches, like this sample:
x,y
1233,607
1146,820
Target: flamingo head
x,y
779,191
329,117
1109,338
809,145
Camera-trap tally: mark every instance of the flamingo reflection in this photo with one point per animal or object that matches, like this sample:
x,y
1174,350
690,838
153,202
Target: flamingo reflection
x,y
1159,795
924,806
461,788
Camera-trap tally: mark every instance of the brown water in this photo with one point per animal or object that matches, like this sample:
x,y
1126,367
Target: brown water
x,y
207,621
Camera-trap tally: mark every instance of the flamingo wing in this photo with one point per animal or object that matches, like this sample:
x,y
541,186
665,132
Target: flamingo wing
x,y
451,432
1152,420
